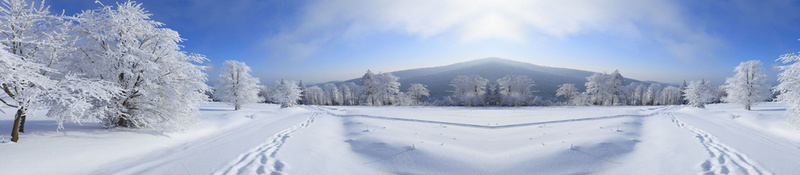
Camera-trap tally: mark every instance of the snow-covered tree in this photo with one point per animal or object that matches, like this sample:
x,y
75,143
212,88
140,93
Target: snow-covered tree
x,y
34,48
789,86
628,93
370,84
286,93
161,84
387,88
302,93
615,84
346,93
492,96
416,91
333,94
748,86
403,99
604,89
380,89
652,94
315,96
639,94
351,93
682,88
698,93
515,90
721,93
596,86
264,94
568,91
670,96
469,90
236,85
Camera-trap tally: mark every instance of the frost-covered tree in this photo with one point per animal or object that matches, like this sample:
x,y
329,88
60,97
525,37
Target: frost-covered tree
x,y
302,93
370,84
682,88
604,89
639,94
698,93
161,84
315,96
387,88
568,91
492,96
416,91
652,94
403,99
748,86
34,51
286,93
629,93
236,85
332,92
596,87
615,84
789,86
264,94
721,93
469,90
346,93
351,93
515,90
670,96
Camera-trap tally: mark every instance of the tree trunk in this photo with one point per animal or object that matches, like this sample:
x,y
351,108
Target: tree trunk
x,y
15,128
237,107
747,107
22,123
121,122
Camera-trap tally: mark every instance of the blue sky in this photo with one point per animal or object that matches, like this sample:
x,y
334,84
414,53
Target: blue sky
x,y
327,40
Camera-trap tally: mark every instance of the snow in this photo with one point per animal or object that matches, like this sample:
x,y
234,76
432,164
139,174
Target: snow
x,y
265,139
220,134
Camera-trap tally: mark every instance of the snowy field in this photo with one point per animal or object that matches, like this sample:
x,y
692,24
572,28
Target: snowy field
x,y
264,139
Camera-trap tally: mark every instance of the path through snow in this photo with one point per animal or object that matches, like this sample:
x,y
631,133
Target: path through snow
x,y
722,159
261,160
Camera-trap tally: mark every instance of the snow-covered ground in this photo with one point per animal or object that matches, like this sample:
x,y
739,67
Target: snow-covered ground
x,y
264,139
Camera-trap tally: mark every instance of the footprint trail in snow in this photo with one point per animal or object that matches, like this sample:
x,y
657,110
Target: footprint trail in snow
x,y
261,160
722,159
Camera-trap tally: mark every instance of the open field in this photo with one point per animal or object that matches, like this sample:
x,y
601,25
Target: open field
x,y
264,139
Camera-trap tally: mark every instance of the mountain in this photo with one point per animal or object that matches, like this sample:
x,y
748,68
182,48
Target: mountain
x,y
438,79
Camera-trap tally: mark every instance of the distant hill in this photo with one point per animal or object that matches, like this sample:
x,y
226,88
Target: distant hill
x,y
438,79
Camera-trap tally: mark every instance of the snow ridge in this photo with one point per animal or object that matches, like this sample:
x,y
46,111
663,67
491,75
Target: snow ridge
x,y
261,160
722,157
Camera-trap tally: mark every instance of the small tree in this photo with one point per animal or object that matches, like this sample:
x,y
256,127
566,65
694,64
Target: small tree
x,y
698,93
652,94
387,88
515,90
334,97
670,96
748,86
286,93
568,91
237,86
315,96
416,91
469,90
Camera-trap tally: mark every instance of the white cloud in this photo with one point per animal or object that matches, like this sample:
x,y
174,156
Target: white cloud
x,y
512,20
